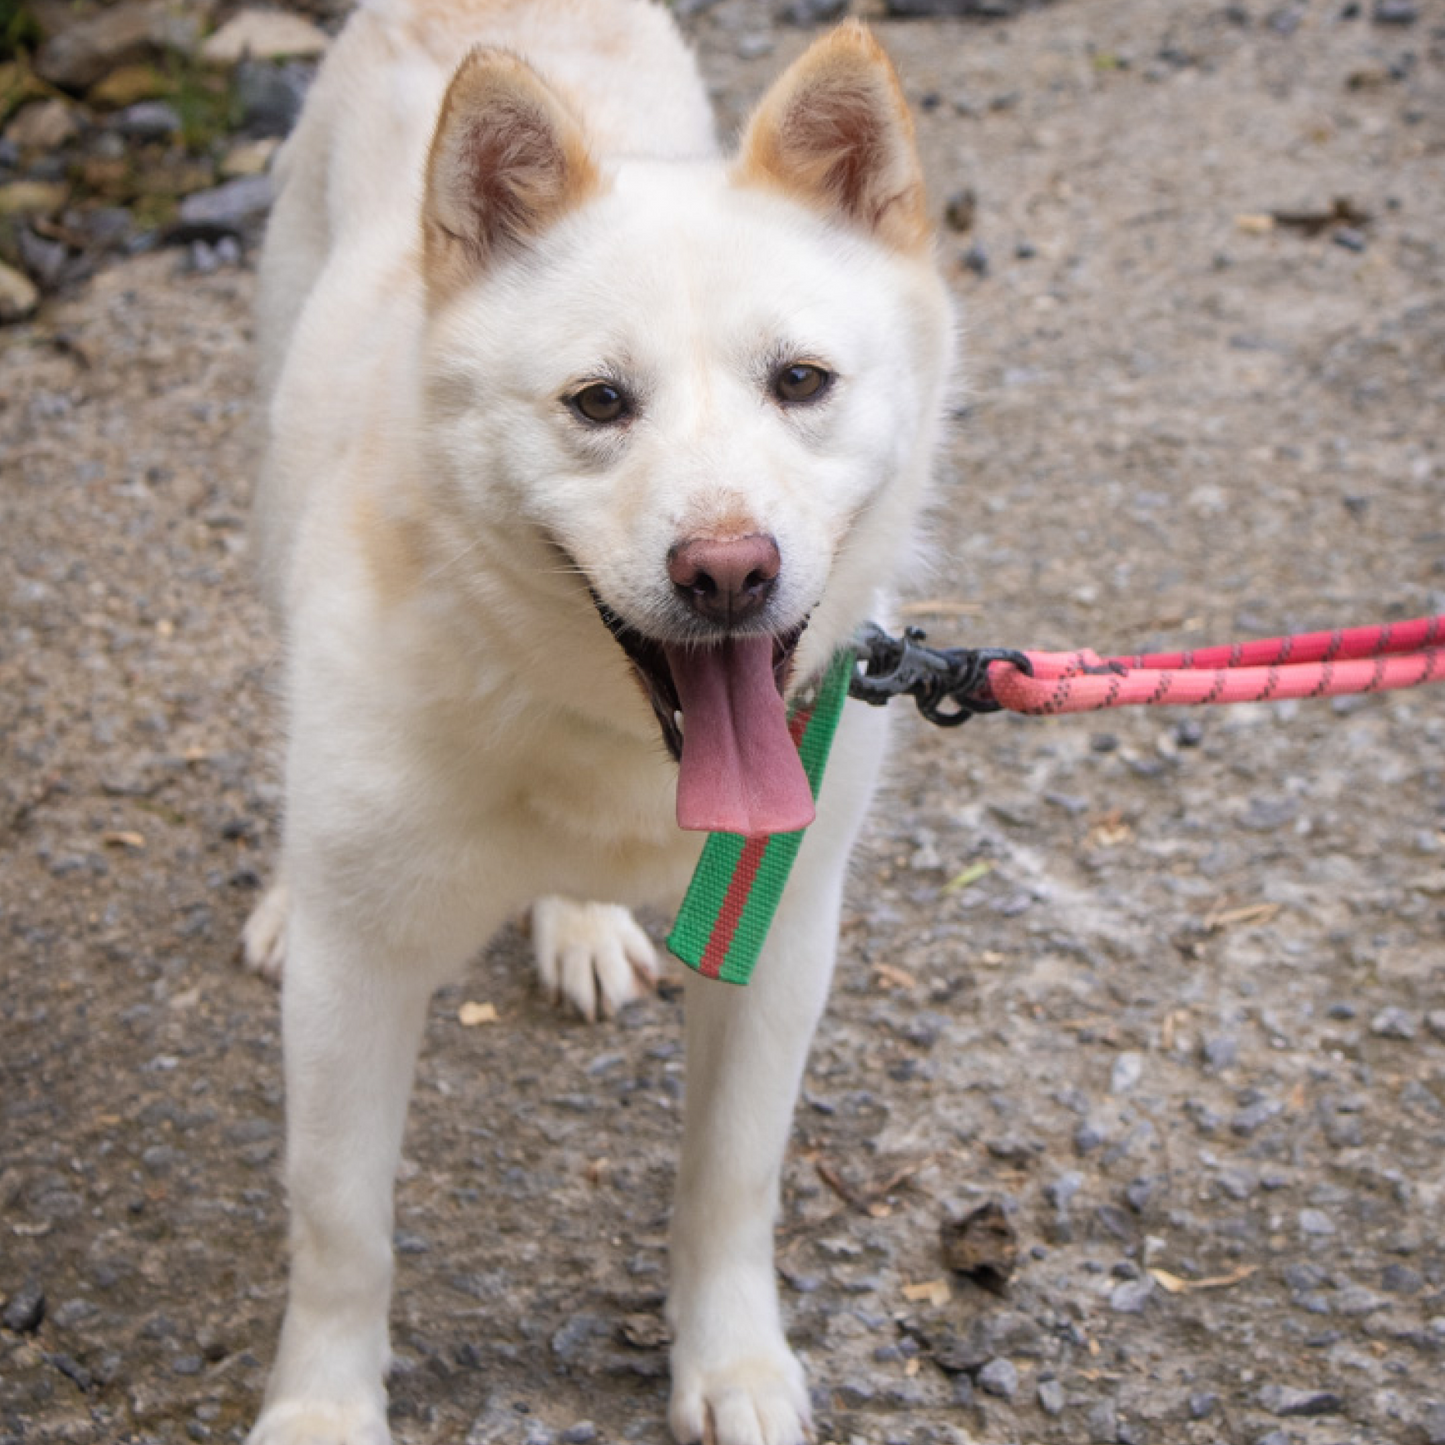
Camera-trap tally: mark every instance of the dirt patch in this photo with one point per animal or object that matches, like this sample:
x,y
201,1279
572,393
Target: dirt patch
x,y
1187,1025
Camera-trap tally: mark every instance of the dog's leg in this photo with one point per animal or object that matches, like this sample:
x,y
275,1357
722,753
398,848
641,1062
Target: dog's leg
x,y
352,1016
734,1379
593,955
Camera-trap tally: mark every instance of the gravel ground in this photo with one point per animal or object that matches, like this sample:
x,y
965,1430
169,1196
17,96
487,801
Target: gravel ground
x,y
1164,988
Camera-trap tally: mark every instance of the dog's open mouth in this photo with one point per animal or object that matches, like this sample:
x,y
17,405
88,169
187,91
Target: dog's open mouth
x,y
720,706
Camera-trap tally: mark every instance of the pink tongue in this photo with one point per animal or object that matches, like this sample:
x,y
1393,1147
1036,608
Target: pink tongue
x,y
740,769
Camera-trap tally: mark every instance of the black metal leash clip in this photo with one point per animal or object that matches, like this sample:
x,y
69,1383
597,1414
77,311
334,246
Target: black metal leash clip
x,y
949,684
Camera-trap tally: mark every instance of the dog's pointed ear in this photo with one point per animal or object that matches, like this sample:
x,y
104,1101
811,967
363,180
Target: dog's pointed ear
x,y
834,132
507,160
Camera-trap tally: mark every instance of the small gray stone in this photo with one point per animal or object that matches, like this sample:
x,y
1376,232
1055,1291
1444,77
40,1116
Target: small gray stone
x,y
270,96
1401,1279
1137,1194
1125,1075
1220,1052
1394,1023
25,1309
1051,1397
999,1377
1202,1404
1130,1297
1252,1117
582,1433
1102,1423
1315,1222
812,12
147,120
232,207
1288,1402
1432,1424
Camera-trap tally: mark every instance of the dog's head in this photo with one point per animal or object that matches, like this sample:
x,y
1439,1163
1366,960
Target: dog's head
x,y
704,394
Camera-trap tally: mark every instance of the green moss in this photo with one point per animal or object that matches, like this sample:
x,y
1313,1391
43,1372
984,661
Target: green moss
x,y
206,102
19,30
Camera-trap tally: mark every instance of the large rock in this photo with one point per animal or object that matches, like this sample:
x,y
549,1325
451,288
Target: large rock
x,y
45,125
264,35
236,208
81,52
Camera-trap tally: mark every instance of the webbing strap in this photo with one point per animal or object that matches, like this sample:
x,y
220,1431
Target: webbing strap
x,y
738,883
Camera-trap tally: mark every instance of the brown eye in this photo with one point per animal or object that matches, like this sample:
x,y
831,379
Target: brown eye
x,y
800,381
601,403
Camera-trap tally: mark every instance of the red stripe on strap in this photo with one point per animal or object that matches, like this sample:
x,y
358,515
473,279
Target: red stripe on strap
x,y
740,885
735,902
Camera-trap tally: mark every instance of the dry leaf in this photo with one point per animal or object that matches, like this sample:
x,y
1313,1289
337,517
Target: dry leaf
x,y
471,1014
1173,1284
969,876
891,977
116,838
939,607
935,1291
1251,913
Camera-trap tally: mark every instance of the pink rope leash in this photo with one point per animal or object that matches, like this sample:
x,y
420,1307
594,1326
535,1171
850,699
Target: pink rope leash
x,y
1314,664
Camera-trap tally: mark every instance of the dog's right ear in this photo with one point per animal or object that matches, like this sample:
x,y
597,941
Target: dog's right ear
x,y
507,160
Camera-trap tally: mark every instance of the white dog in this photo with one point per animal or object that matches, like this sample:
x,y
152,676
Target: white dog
x,y
587,447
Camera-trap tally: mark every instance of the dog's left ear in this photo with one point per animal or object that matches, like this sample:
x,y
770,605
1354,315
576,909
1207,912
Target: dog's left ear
x,y
834,133
508,159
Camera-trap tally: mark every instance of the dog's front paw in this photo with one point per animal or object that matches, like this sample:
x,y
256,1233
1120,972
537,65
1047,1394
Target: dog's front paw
x,y
593,955
263,939
759,1399
297,1422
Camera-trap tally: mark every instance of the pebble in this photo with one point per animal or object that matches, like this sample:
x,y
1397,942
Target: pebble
x,y
1102,1423
812,12
147,120
1051,1397
999,1377
1395,12
19,295
1401,1279
1137,1194
1202,1404
270,96
960,210
584,1432
1432,1425
1220,1052
1248,1120
1394,1023
45,125
1130,1297
25,1309
1127,1071
1315,1222
1288,1402
231,207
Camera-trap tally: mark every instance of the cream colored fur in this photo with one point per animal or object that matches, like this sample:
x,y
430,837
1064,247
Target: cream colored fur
x,y
465,738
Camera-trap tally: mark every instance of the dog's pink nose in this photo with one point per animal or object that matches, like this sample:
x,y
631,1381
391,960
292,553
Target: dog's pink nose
x,y
727,582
